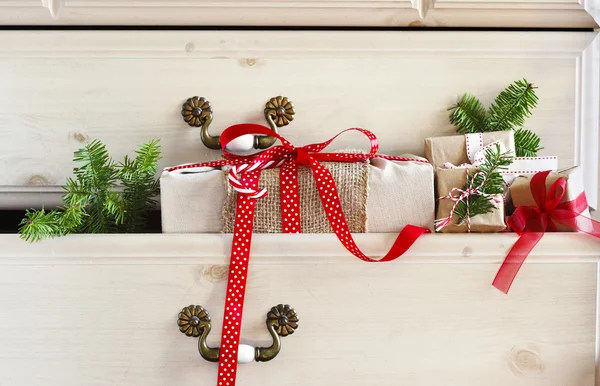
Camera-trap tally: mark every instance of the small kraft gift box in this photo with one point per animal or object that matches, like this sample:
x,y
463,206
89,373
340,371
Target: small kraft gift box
x,y
522,194
545,202
454,158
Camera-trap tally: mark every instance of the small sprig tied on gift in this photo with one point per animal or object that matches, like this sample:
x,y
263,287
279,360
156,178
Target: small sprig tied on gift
x,y
479,194
508,112
104,196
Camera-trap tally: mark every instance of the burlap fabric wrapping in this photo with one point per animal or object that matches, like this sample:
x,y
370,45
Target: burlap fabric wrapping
x,y
398,193
351,180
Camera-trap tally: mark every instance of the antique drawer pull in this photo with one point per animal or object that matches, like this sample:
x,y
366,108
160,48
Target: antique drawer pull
x,y
197,111
282,320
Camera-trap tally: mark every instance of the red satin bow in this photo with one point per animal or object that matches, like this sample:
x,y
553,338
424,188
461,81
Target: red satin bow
x,y
530,223
300,155
289,158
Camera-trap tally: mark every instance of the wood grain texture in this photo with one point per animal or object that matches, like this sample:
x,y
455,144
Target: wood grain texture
x,y
563,247
87,323
61,89
385,13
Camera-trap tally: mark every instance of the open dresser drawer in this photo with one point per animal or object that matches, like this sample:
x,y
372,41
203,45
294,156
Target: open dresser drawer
x,y
102,310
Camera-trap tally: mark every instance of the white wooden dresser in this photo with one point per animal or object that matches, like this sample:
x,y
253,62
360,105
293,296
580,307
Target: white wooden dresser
x,y
100,310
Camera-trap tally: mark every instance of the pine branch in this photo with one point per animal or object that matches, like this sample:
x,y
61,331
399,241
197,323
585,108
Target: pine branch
x,y
140,184
508,112
477,205
527,143
512,106
76,194
92,201
115,206
71,218
96,220
96,168
489,181
468,115
38,225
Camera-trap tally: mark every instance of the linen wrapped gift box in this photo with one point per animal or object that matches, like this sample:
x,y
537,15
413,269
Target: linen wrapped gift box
x,y
376,196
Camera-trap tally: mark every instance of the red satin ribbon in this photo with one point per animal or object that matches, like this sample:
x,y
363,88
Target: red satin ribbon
x,y
530,223
290,158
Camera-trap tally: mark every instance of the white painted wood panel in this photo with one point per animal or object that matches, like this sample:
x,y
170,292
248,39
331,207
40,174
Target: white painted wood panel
x,y
62,88
384,13
105,314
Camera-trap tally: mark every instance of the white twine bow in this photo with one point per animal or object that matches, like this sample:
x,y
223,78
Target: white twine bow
x,y
464,194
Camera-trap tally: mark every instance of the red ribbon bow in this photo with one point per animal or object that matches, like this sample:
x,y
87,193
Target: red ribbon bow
x,y
244,177
530,223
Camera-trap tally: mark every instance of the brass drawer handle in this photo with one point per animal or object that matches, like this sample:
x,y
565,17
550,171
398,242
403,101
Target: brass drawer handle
x,y
282,320
197,112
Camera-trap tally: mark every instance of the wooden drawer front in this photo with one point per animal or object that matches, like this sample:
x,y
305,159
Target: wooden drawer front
x,y
63,88
385,13
102,310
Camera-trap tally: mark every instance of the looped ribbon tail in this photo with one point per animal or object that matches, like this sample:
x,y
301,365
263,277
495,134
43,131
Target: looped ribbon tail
x,y
530,223
244,177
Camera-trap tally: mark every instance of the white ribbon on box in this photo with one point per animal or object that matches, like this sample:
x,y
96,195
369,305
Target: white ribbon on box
x,y
520,165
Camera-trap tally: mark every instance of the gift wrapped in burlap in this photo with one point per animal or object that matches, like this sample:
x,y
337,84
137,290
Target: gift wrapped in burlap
x,y
448,179
376,196
453,148
521,194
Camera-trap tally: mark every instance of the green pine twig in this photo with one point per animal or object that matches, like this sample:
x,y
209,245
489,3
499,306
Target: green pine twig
x,y
40,224
490,181
527,143
93,201
140,184
468,115
508,112
512,106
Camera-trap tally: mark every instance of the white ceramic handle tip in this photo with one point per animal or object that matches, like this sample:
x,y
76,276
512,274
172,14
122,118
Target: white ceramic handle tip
x,y
241,144
245,353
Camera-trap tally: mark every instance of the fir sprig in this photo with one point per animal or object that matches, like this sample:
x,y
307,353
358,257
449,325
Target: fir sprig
x,y
37,224
512,106
508,112
527,143
468,115
140,185
104,197
489,181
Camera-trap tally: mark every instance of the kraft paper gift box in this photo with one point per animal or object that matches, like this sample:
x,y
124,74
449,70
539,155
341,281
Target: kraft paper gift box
x,y
446,180
376,196
460,150
453,149
521,194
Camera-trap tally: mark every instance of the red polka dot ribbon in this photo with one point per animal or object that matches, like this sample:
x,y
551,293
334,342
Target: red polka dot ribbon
x,y
244,176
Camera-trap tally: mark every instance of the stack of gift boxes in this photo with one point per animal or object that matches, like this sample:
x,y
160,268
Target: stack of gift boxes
x,y
453,157
378,195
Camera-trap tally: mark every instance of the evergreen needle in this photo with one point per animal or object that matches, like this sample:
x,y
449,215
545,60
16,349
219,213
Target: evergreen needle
x,y
508,112
104,196
490,181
